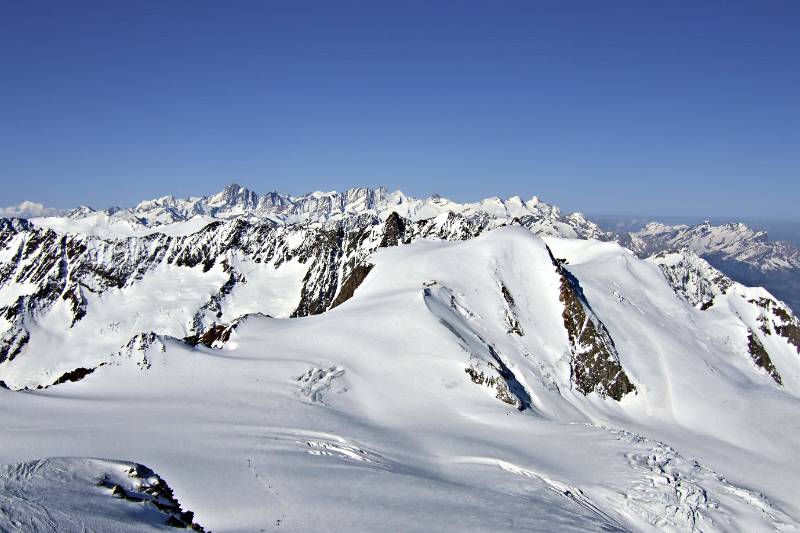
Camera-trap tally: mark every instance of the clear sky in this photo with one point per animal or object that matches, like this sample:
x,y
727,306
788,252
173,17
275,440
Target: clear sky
x,y
626,107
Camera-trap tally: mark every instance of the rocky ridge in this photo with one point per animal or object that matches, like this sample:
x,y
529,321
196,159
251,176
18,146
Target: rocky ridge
x,y
235,201
330,238
69,270
763,318
742,253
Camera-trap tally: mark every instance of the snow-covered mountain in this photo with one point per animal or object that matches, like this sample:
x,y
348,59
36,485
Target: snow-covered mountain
x,y
177,216
730,241
745,254
333,362
767,319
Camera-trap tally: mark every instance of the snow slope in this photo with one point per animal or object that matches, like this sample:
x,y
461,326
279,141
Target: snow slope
x,y
75,494
475,382
742,253
772,331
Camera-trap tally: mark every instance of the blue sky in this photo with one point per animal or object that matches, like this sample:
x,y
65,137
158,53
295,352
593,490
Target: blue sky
x,y
680,108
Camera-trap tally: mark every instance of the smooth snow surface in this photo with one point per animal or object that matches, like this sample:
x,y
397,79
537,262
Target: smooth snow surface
x,y
101,224
364,418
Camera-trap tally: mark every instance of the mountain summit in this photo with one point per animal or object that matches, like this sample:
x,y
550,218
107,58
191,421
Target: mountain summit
x,y
329,361
167,213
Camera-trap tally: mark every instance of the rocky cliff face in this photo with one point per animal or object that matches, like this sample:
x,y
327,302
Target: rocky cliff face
x,y
742,253
770,329
595,362
419,345
693,277
46,274
51,279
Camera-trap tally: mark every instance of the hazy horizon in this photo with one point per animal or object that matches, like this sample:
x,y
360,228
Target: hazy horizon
x,y
683,108
777,228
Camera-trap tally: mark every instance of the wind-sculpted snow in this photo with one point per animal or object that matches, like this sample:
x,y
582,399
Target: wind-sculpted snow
x,y
478,375
76,495
486,366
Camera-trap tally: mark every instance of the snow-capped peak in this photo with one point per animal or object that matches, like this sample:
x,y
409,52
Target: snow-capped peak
x,y
183,216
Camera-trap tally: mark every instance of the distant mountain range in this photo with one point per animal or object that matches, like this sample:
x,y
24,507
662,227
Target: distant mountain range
x,y
745,254
742,253
181,216
332,361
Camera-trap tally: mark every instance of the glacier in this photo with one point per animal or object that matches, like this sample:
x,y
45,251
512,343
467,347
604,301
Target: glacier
x,y
369,362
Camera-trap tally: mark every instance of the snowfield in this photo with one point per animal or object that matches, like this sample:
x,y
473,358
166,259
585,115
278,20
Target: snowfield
x,y
502,383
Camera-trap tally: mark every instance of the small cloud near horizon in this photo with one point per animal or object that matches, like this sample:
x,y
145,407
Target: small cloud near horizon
x,y
29,209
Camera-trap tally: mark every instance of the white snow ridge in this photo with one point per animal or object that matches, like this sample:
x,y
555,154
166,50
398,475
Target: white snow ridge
x,y
367,361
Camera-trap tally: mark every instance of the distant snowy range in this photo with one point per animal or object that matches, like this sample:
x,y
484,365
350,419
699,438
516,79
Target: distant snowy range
x,y
369,361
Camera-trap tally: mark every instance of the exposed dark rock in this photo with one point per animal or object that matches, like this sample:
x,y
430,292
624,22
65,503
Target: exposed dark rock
x,y
791,332
74,375
152,490
494,382
394,230
487,367
783,322
507,296
13,341
217,333
13,225
322,278
692,278
74,295
595,363
70,267
67,267
214,304
71,376
513,392
353,281
141,346
761,357
507,388
511,312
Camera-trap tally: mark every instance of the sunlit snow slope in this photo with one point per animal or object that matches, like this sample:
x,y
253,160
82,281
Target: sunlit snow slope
x,y
499,383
